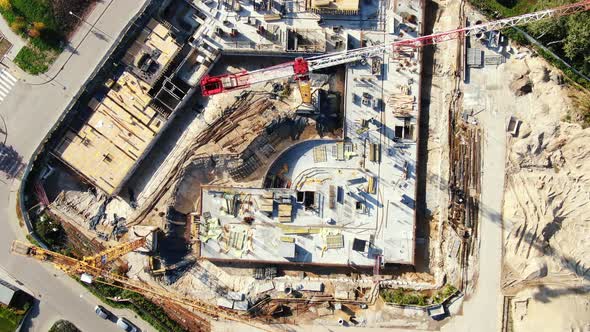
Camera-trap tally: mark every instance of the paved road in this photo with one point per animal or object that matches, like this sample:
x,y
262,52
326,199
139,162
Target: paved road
x,y
482,311
29,111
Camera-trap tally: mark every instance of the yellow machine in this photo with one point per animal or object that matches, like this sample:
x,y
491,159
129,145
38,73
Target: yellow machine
x,y
305,90
113,253
93,270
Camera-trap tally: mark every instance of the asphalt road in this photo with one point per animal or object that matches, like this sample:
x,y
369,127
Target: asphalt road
x,y
29,111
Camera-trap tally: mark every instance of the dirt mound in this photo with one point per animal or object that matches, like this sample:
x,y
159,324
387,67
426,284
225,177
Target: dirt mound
x,y
521,86
547,197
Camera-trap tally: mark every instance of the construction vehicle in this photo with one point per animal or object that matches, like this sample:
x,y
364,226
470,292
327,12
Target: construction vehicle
x,y
301,67
90,272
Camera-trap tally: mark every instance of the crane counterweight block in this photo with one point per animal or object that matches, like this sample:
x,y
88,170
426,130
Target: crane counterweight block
x,y
300,67
212,85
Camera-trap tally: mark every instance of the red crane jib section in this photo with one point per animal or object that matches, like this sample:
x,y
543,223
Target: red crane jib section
x,y
212,85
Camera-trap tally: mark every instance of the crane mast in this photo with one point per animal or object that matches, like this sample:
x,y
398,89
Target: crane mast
x,y
300,67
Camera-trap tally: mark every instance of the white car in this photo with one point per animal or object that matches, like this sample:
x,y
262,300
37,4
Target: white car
x,y
125,325
101,312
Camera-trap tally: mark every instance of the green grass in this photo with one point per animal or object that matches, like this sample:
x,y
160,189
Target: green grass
x,y
41,51
404,297
33,60
9,319
409,297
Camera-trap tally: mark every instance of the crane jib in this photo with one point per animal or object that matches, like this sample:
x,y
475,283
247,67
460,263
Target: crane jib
x,y
300,67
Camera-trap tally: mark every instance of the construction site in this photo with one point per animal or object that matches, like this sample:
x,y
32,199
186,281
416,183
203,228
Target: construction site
x,y
292,163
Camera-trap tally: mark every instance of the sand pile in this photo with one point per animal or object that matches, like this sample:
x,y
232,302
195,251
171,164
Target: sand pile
x,y
531,306
547,199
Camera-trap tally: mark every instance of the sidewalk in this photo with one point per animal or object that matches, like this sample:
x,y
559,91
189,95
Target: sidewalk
x,y
30,110
89,30
16,40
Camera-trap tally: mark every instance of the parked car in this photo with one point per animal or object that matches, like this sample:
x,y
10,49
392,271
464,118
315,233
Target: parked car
x,y
125,325
102,312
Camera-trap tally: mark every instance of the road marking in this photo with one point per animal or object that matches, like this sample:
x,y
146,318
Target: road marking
x,y
7,82
10,77
5,87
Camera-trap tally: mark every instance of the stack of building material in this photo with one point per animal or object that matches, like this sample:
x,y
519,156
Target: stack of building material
x,y
285,213
372,185
265,203
288,239
334,241
295,230
237,240
319,154
265,273
332,197
401,104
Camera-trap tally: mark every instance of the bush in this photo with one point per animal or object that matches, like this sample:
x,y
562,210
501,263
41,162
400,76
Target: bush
x,y
404,297
571,30
9,319
34,33
444,293
51,232
64,326
18,24
39,26
5,5
36,11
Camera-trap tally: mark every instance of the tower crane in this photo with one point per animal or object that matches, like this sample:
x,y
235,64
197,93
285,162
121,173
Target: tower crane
x,y
301,67
94,269
106,256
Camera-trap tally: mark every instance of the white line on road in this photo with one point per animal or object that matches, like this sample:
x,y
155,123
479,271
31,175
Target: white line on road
x,y
8,75
4,90
7,82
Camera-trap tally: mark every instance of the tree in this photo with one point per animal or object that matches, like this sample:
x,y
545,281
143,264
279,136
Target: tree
x,y
34,33
63,326
548,30
18,24
50,231
577,40
5,5
39,26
